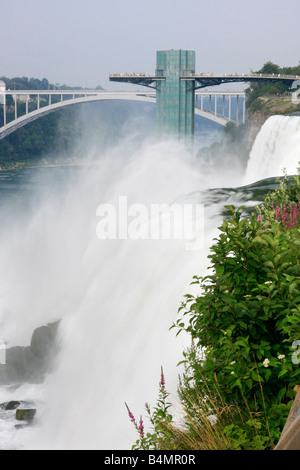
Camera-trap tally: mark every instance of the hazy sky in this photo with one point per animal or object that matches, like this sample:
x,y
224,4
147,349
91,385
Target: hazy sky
x,y
79,42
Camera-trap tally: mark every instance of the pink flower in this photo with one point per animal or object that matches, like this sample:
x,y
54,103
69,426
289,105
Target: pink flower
x,y
259,218
141,427
162,382
132,418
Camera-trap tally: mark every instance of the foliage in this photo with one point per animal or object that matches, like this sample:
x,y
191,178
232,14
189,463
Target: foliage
x,y
24,83
247,317
240,371
206,423
161,436
286,193
51,134
258,89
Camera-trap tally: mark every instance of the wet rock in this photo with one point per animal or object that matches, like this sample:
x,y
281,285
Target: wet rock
x,y
25,415
21,426
31,363
10,405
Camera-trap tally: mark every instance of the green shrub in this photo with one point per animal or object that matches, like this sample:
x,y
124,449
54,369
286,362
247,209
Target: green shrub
x,y
247,319
242,365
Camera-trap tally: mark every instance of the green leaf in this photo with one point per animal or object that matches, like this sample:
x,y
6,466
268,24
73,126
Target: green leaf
x,y
230,208
281,393
238,383
293,286
269,264
219,269
282,372
255,376
268,374
260,240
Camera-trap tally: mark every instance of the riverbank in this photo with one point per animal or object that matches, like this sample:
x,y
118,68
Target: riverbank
x,y
264,107
43,163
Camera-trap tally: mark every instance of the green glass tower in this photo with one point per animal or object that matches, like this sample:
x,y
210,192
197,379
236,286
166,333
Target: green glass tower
x,y
174,81
175,96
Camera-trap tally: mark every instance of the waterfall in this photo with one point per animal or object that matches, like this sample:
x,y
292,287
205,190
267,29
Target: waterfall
x,y
116,298
277,147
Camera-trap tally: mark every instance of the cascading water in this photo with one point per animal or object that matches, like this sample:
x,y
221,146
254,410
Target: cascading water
x,y
277,147
116,298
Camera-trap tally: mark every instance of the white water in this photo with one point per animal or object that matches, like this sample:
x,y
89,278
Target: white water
x,y
277,147
116,298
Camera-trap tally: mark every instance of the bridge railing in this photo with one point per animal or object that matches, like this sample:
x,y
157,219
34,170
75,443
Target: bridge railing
x,y
26,103
247,75
228,106
30,104
209,75
138,75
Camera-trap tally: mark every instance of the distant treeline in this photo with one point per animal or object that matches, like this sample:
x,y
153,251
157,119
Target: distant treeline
x,y
25,83
258,89
51,134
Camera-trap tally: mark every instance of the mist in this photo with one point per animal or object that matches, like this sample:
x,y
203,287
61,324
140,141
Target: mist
x,y
115,299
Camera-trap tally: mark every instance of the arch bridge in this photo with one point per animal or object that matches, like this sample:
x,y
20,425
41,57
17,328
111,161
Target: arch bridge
x,y
215,105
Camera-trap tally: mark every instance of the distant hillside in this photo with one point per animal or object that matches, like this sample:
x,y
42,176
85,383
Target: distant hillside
x,y
267,99
25,83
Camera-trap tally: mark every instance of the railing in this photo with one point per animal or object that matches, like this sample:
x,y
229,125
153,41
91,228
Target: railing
x,y
36,103
138,75
247,75
210,75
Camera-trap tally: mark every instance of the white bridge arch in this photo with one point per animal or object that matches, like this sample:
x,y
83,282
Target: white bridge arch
x,y
73,97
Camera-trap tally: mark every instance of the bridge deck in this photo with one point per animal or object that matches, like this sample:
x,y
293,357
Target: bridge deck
x,y
203,80
41,100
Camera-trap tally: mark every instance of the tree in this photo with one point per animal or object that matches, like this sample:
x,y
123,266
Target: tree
x,y
269,68
45,84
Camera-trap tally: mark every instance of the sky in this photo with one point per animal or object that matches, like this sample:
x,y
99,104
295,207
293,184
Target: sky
x,y
80,42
